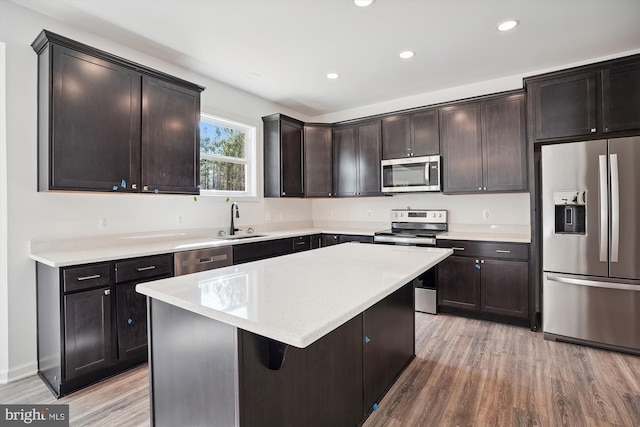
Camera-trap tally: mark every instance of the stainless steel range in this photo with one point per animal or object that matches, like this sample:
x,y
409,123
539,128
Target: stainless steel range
x,y
417,227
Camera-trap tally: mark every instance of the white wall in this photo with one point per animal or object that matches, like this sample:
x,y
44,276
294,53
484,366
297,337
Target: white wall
x,y
38,215
4,288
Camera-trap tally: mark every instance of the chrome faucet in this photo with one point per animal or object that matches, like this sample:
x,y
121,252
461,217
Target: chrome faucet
x,y
233,229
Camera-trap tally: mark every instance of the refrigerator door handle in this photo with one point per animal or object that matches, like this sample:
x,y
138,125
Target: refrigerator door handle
x,y
602,175
594,283
615,208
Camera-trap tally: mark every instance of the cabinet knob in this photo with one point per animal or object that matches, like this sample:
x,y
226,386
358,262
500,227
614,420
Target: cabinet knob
x,y
107,292
367,339
145,188
480,188
129,321
284,193
482,262
593,130
134,186
484,188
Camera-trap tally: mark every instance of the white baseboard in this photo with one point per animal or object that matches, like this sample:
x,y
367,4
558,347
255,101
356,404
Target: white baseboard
x,y
18,372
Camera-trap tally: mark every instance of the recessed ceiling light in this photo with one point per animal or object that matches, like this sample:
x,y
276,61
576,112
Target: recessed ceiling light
x,y
507,25
362,3
333,76
406,54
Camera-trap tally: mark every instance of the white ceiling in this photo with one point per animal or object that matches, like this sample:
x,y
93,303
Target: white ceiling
x,y
293,44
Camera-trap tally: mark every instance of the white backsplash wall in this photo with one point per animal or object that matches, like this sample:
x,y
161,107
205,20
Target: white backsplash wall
x,y
501,209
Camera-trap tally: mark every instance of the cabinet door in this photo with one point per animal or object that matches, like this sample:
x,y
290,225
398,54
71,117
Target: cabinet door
x,y
505,287
95,109
345,161
131,318
389,342
565,106
318,161
87,332
329,239
291,159
461,140
621,97
504,144
170,137
396,137
459,283
369,158
425,133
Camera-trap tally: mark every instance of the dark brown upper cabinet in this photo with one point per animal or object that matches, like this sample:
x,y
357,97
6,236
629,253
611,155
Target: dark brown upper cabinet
x,y
621,97
587,102
357,157
484,145
406,135
283,156
318,160
565,106
108,124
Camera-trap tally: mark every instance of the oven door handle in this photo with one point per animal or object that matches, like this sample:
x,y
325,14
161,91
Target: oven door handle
x,y
406,240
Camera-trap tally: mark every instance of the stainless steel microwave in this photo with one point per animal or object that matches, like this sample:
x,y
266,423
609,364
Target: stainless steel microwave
x,y
411,174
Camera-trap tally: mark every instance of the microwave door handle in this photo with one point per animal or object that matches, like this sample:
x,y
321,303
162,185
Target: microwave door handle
x,y
615,208
602,174
426,172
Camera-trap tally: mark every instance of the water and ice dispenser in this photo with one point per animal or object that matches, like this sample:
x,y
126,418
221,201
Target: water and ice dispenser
x,y
570,210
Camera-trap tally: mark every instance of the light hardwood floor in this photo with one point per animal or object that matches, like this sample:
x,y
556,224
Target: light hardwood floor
x,y
466,373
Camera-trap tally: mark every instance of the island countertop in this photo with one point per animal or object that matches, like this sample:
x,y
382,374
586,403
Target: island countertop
x,y
297,299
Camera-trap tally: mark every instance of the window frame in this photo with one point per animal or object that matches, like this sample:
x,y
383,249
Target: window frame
x,y
250,157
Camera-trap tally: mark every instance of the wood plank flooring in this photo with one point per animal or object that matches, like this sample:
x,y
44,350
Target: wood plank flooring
x,y
466,373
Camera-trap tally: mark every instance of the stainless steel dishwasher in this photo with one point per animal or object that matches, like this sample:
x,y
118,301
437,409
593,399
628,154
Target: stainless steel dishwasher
x,y
188,262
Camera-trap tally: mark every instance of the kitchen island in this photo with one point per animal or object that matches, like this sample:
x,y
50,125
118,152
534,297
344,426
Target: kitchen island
x,y
313,338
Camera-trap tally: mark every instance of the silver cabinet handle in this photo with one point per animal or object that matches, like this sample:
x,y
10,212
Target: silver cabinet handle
x,y
134,186
602,175
482,262
503,251
93,276
457,249
615,208
107,292
151,267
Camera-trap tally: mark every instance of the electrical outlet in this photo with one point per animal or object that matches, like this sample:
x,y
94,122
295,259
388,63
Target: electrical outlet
x,y
267,216
179,220
368,214
486,214
103,222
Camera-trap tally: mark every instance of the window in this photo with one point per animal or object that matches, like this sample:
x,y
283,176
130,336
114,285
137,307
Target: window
x,y
227,157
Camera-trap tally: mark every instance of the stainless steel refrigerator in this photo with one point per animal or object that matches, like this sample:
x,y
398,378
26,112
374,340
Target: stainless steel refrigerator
x,y
591,243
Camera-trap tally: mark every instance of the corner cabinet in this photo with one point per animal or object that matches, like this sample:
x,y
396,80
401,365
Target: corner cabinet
x,y
318,160
356,159
484,146
488,280
108,124
587,102
283,160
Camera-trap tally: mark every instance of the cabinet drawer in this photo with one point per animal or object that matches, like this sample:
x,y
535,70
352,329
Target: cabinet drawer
x,y
469,248
141,268
87,276
301,243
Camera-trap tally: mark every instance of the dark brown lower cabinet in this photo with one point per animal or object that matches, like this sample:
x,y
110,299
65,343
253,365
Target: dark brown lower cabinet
x,y
490,281
459,283
92,324
88,331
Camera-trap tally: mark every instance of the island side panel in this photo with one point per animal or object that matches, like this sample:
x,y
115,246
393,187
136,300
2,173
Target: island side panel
x,y
320,385
193,368
389,343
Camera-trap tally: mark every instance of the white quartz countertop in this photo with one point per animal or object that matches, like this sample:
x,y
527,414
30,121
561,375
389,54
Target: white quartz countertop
x,y
70,252
486,236
297,299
